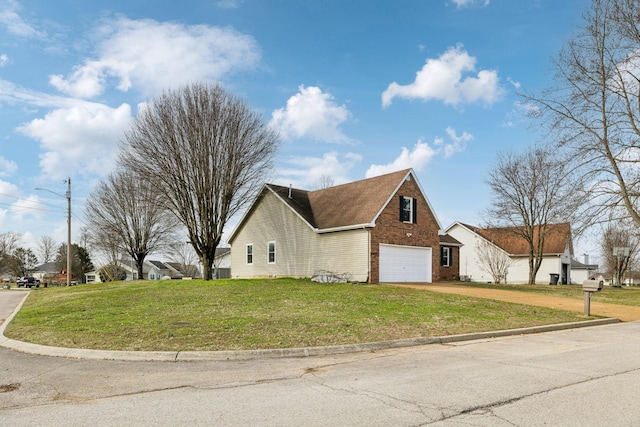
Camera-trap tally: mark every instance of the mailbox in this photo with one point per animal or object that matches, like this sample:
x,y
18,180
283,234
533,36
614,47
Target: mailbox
x,y
592,285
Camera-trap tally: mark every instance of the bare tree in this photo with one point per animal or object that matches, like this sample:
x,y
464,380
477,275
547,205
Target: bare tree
x,y
531,192
593,108
325,181
183,254
8,245
493,260
128,216
206,153
47,248
620,250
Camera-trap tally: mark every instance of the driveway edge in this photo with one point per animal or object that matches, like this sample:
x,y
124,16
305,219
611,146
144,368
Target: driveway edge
x,y
184,356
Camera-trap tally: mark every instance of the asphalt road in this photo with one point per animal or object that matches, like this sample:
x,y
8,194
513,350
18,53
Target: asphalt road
x,y
576,377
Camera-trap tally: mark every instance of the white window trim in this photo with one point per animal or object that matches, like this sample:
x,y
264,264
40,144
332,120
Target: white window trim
x,y
269,253
411,209
246,257
448,250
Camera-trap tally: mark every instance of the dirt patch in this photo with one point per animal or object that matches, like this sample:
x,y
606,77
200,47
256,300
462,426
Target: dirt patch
x,y
624,313
9,387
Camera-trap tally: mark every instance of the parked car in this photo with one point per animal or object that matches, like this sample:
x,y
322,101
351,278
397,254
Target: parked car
x,y
28,282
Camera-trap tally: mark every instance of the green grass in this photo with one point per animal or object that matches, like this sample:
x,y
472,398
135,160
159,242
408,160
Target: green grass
x,y
255,314
623,295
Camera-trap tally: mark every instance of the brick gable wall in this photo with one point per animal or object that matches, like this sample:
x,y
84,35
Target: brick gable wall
x,y
389,229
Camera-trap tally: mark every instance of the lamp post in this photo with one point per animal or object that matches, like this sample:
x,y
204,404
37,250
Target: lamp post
x,y
68,197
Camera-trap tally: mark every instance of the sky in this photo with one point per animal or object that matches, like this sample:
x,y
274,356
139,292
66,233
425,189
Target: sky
x,y
355,88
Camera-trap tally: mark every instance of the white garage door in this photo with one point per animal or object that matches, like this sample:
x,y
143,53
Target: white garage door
x,y
405,264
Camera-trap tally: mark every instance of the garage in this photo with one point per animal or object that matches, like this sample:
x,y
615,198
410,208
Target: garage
x,y
405,264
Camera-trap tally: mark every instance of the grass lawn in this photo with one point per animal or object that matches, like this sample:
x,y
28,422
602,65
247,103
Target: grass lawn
x,y
255,314
624,295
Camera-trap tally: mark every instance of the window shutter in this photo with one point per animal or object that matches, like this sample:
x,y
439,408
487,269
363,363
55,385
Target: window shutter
x,y
441,255
415,211
401,208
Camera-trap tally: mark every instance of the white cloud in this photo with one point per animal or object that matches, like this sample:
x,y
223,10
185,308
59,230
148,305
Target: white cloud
x,y
26,206
7,167
311,113
4,60
422,153
416,158
82,139
442,79
469,3
228,4
151,56
458,143
309,172
14,23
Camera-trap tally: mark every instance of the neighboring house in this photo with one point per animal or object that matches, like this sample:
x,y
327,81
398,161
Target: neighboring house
x,y
155,270
179,271
46,273
222,263
556,260
582,271
381,229
152,270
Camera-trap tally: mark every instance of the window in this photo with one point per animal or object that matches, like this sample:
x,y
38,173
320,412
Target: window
x,y
445,257
272,252
408,207
250,253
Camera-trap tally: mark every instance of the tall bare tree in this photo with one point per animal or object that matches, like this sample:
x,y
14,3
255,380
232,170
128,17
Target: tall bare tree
x,y
47,247
8,244
620,250
493,260
127,215
593,107
531,192
206,153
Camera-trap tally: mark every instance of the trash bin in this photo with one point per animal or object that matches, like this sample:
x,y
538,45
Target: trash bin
x,y
553,279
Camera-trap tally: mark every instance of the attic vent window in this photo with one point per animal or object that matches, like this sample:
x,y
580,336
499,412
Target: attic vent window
x,y
408,208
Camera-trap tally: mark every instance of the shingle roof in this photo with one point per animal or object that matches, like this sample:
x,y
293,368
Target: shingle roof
x,y
158,264
556,239
355,203
448,240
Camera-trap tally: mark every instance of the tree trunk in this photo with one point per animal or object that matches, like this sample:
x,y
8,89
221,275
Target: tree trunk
x,y
207,265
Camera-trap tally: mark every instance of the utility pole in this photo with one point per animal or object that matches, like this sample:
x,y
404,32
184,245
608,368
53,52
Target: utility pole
x,y
68,195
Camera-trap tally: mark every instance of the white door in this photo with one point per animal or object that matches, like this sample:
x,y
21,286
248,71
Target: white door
x,y
405,264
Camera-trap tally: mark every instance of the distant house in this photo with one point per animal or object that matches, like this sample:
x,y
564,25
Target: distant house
x,y
381,229
152,270
582,271
557,253
222,263
47,272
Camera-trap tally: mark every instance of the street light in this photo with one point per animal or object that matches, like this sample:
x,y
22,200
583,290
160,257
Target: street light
x,y
68,196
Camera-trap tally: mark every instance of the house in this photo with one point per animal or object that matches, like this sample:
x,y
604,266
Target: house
x,y
582,271
47,272
381,229
222,263
557,253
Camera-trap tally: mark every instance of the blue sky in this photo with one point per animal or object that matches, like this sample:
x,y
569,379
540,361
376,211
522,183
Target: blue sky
x,y
356,88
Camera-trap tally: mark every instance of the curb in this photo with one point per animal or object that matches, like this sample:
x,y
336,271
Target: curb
x,y
184,356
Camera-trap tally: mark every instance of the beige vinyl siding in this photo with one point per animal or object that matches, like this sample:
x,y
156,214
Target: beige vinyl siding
x,y
299,250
